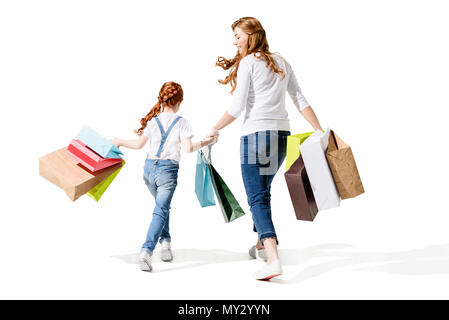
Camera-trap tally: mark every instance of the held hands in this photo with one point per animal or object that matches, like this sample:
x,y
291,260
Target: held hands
x,y
209,140
213,133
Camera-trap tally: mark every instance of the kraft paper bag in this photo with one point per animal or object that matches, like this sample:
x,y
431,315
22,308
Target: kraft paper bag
x,y
343,167
229,206
89,158
293,143
313,152
301,191
203,182
97,191
64,171
98,143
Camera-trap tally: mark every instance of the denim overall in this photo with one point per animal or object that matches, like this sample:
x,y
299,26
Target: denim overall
x,y
161,178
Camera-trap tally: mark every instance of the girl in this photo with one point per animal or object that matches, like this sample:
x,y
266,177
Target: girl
x,y
167,132
259,80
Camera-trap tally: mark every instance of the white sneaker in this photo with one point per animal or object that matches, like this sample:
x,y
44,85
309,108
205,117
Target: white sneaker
x,y
270,270
166,254
259,254
145,261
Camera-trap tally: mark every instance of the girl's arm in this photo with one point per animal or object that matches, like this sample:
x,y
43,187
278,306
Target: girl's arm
x,y
190,146
311,118
131,144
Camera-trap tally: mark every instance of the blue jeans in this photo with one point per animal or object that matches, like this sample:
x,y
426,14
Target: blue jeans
x,y
261,155
161,178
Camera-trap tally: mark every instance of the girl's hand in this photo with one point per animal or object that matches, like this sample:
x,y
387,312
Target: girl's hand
x,y
116,142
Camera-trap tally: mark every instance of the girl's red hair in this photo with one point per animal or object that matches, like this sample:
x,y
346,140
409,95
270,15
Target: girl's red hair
x,y
170,95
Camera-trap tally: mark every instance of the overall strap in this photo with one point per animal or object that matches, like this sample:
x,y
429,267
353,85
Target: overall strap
x,y
160,125
164,134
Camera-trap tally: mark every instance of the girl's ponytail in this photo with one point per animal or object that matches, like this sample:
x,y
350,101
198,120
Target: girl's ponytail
x,y
153,112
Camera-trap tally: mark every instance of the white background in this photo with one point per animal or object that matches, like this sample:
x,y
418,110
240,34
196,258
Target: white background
x,y
377,72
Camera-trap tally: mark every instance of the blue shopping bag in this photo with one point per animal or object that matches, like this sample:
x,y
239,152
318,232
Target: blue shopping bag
x,y
98,143
203,182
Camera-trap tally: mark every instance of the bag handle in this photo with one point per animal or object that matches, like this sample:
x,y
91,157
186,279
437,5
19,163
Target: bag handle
x,y
332,142
206,152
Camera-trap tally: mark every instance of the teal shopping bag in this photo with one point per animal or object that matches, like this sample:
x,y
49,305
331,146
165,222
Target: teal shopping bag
x,y
98,143
203,183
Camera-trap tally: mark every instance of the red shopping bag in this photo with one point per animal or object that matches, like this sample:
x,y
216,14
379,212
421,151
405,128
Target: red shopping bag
x,y
89,158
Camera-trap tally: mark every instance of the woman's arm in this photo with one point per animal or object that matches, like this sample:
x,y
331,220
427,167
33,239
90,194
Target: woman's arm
x,y
131,144
239,100
311,118
225,120
190,146
300,101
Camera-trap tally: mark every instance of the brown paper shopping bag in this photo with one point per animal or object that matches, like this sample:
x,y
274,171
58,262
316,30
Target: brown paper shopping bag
x,y
64,171
301,191
344,170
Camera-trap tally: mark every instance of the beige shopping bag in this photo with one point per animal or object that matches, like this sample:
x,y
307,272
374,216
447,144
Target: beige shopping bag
x,y
64,171
343,167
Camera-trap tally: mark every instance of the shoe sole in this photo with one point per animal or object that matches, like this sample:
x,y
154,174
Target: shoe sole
x,y
269,277
167,260
145,266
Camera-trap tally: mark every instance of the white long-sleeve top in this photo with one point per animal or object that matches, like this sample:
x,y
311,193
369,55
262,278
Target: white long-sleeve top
x,y
261,94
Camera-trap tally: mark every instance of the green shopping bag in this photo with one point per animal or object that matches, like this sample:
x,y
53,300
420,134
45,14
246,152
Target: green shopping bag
x,y
293,143
97,191
228,203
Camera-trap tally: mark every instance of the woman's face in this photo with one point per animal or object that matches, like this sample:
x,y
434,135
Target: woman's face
x,y
240,39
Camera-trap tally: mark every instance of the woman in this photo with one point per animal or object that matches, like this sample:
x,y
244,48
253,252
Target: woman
x,y
259,80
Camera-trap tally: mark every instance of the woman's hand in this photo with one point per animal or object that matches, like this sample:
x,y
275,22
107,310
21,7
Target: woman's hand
x,y
213,132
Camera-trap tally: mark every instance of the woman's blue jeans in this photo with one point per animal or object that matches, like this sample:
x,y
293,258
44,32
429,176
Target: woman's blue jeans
x,y
261,155
161,178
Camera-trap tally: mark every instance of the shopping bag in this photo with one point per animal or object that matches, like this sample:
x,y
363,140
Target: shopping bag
x,y
228,203
97,143
301,191
97,191
313,152
64,171
89,158
293,143
203,182
343,168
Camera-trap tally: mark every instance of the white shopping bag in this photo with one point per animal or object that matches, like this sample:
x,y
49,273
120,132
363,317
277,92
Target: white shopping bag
x,y
313,151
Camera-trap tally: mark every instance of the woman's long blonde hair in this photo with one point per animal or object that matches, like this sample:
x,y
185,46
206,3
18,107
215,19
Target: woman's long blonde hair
x,y
257,43
170,95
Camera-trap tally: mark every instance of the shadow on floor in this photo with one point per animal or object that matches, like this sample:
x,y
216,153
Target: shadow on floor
x,y
429,260
194,258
